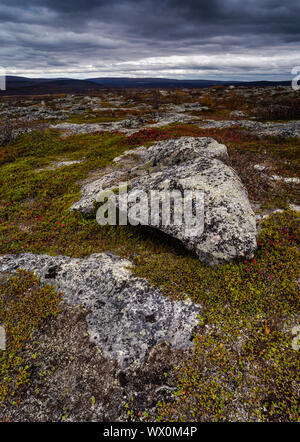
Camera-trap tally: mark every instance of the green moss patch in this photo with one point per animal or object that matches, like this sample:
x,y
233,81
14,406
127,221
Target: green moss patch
x,y
93,117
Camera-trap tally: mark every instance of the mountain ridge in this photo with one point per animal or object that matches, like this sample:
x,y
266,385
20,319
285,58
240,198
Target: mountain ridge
x,y
16,85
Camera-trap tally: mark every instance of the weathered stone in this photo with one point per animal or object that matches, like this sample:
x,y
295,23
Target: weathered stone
x,y
127,317
90,191
237,114
161,154
187,164
92,127
133,123
127,126
164,119
184,149
288,180
138,152
57,164
229,221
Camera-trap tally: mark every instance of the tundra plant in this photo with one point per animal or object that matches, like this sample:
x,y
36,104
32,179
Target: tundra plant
x,y
153,208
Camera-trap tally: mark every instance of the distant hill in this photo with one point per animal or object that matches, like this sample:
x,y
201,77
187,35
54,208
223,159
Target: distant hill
x,y
152,82
173,83
38,86
17,82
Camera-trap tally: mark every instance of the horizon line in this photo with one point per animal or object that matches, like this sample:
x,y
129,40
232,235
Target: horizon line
x,y
61,77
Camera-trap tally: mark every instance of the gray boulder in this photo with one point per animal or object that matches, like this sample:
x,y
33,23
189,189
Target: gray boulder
x,y
127,317
161,154
237,114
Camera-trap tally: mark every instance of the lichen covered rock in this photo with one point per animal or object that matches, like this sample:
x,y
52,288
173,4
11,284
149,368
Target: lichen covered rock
x,y
229,221
191,164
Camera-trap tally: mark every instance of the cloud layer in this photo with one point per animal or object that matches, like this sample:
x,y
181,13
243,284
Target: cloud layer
x,y
234,39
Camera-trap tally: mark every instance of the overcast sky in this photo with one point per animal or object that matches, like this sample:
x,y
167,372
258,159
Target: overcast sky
x,y
220,39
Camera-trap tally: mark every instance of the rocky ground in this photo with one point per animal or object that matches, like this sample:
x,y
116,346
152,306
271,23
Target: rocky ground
x,y
130,323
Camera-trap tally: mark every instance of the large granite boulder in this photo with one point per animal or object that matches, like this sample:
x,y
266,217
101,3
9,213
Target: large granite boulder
x,y
127,317
161,154
90,191
180,150
192,164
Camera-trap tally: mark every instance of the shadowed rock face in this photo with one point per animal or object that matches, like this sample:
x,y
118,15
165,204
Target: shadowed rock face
x,y
190,163
127,317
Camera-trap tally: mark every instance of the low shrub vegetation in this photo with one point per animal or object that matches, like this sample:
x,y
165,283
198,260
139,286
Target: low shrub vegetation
x,y
243,365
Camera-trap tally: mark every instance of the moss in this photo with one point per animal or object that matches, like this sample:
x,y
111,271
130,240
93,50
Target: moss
x,y
23,306
246,358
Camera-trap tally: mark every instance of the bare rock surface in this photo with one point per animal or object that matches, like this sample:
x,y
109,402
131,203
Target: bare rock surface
x,y
161,154
172,117
237,114
84,128
127,317
57,164
229,221
287,180
288,129
90,190
139,153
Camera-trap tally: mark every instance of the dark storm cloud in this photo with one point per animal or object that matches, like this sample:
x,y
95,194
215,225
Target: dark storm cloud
x,y
149,37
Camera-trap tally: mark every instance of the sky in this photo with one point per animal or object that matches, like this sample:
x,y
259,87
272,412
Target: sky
x,y
184,39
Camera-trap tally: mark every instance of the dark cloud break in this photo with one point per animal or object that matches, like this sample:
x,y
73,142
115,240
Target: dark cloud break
x,y
233,39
